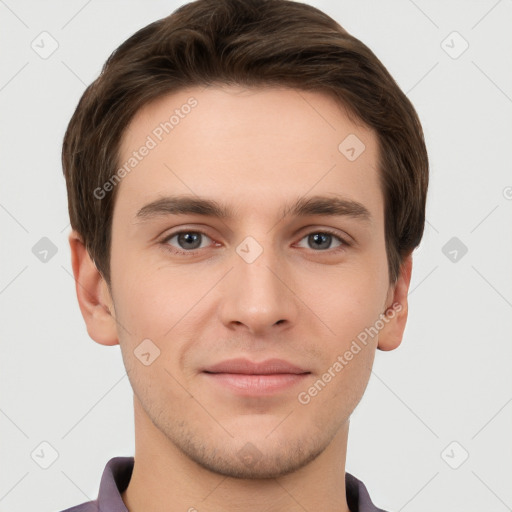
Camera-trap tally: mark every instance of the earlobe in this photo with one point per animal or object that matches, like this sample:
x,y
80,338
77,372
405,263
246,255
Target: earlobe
x,y
93,294
391,335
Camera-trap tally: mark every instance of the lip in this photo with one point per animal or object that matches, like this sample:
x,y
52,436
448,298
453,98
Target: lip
x,y
247,367
249,378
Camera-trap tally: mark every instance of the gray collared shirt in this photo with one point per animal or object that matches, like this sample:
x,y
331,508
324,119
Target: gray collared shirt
x,y
118,471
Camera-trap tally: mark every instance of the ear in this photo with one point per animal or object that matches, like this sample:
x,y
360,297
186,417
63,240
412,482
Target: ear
x,y
391,335
93,294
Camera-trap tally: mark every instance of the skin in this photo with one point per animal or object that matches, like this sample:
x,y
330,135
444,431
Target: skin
x,y
255,150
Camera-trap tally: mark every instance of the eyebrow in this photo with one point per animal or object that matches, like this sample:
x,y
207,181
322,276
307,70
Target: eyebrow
x,y
302,207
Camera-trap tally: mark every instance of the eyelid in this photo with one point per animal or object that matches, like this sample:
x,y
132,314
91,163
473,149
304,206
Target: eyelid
x,y
346,240
164,241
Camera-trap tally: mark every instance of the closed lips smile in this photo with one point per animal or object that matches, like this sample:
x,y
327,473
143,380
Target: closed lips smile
x,y
249,378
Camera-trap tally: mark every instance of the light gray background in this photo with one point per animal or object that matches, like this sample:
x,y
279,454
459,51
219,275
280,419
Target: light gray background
x,y
449,381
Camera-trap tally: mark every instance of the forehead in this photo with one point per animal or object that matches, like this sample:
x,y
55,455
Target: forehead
x,y
250,146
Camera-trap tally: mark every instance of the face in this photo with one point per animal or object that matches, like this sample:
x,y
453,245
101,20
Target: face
x,y
286,261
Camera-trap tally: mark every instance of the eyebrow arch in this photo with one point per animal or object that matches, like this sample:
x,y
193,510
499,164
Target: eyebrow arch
x,y
302,207
330,206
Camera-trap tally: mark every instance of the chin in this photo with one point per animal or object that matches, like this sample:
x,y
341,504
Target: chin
x,y
254,463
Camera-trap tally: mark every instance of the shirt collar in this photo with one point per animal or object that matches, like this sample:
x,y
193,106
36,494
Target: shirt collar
x,y
118,471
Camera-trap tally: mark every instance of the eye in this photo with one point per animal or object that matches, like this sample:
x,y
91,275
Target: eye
x,y
188,241
322,240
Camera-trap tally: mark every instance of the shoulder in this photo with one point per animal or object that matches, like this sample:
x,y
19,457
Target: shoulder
x,y
358,498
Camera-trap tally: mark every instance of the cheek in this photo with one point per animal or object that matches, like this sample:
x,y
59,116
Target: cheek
x,y
165,304
333,394
346,385
347,299
148,306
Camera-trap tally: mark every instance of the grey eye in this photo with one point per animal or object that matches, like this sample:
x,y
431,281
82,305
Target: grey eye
x,y
322,241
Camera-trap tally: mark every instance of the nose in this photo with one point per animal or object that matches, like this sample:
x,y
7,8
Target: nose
x,y
257,297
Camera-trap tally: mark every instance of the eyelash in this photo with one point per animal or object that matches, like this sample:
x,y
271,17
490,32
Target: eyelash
x,y
174,250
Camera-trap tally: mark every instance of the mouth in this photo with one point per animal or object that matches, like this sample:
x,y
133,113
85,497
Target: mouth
x,y
248,378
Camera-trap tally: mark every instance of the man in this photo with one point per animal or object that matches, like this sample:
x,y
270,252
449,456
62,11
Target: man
x,y
278,147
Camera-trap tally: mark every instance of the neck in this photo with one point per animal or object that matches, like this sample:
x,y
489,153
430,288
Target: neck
x,y
165,479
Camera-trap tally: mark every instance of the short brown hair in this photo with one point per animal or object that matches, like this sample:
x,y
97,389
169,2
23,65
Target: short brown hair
x,y
247,43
